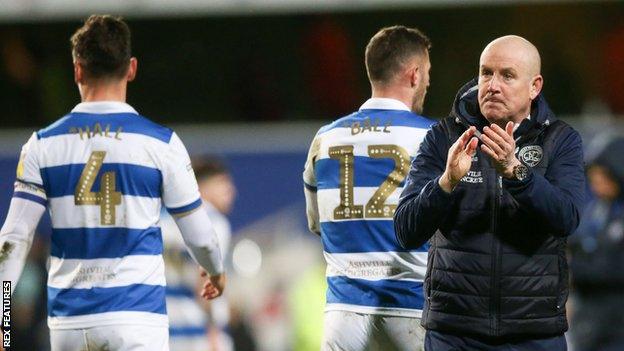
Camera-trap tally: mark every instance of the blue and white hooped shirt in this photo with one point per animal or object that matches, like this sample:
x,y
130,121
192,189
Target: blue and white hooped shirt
x,y
354,174
103,171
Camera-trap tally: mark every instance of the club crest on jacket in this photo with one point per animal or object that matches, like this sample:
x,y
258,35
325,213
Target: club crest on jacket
x,y
531,155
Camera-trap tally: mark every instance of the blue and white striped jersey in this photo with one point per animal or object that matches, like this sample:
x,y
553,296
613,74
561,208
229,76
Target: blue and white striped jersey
x,y
354,174
103,171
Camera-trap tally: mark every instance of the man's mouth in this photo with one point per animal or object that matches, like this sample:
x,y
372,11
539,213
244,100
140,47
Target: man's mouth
x,y
493,100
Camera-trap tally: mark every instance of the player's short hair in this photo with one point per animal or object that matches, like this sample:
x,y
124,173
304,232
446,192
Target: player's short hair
x,y
102,46
388,50
208,166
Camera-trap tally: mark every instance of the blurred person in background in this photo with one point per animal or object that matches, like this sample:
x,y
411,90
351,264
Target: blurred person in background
x,y
497,216
218,192
353,175
28,307
597,257
195,324
104,171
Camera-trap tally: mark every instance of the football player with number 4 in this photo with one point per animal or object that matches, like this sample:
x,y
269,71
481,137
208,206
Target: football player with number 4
x,y
103,171
353,176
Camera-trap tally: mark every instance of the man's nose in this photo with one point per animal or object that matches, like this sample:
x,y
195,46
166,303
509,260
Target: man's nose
x,y
494,84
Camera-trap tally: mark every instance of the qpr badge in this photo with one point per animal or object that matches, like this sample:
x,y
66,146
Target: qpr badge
x,y
531,155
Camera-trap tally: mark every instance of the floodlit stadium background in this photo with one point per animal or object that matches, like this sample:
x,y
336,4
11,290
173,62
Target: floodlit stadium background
x,y
253,80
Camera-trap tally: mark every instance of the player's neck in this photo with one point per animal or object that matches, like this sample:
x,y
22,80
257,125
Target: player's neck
x,y
405,96
103,91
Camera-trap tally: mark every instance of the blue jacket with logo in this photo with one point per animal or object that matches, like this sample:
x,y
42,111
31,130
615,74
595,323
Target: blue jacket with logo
x,y
497,265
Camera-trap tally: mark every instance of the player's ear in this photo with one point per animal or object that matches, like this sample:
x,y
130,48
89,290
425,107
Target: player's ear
x,y
132,69
78,73
414,75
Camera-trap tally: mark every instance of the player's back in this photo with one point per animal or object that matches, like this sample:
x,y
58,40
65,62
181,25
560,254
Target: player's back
x,y
105,170
360,169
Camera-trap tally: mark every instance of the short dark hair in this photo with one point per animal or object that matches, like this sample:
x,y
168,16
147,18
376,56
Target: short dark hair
x,y
102,46
390,48
208,167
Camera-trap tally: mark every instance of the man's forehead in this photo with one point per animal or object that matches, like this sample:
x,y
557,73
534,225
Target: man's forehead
x,y
503,60
511,52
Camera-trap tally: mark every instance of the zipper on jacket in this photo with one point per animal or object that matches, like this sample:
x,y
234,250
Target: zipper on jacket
x,y
496,259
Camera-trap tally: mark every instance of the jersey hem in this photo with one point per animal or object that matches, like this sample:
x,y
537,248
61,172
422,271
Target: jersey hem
x,y
107,319
385,311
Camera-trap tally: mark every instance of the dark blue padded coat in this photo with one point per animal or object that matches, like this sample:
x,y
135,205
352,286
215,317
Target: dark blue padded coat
x,y
497,265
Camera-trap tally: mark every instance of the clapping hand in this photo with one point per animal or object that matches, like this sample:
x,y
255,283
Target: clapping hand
x,y
499,144
459,160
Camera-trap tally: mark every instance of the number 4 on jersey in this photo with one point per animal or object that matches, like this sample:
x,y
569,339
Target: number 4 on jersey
x,y
107,198
376,206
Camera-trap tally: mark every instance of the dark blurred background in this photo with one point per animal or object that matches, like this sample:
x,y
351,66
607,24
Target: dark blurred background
x,y
242,67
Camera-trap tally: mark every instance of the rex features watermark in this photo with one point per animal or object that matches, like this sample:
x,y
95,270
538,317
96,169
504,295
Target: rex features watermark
x,y
6,313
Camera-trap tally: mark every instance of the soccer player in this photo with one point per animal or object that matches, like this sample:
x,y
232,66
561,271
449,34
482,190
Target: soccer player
x,y
103,171
188,320
353,176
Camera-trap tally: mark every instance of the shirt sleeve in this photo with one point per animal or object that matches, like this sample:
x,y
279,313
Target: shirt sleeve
x,y
16,237
310,187
28,182
180,190
201,240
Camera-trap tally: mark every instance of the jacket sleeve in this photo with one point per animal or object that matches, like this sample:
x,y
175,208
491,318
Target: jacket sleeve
x,y
422,203
558,196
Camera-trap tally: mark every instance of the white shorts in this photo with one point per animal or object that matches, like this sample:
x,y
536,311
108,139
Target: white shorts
x,y
350,331
222,342
112,337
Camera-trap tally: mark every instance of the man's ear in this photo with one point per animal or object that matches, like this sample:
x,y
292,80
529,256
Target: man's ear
x,y
414,75
536,86
78,72
132,69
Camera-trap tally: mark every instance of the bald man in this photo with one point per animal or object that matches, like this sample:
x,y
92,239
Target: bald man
x,y
496,188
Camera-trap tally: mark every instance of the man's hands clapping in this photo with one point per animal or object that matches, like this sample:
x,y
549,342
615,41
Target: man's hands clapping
x,y
459,160
499,144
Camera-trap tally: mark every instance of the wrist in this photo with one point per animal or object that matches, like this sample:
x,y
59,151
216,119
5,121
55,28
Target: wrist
x,y
521,172
446,183
508,173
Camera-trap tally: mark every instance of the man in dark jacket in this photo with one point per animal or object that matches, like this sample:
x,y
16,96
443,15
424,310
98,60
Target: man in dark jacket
x,y
497,187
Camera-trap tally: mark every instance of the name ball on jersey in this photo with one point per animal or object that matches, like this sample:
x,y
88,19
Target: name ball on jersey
x,y
369,126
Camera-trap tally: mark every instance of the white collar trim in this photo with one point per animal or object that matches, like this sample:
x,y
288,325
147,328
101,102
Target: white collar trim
x,y
384,104
100,107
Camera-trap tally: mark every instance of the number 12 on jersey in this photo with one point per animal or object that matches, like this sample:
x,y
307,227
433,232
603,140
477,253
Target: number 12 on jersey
x,y
376,206
107,198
